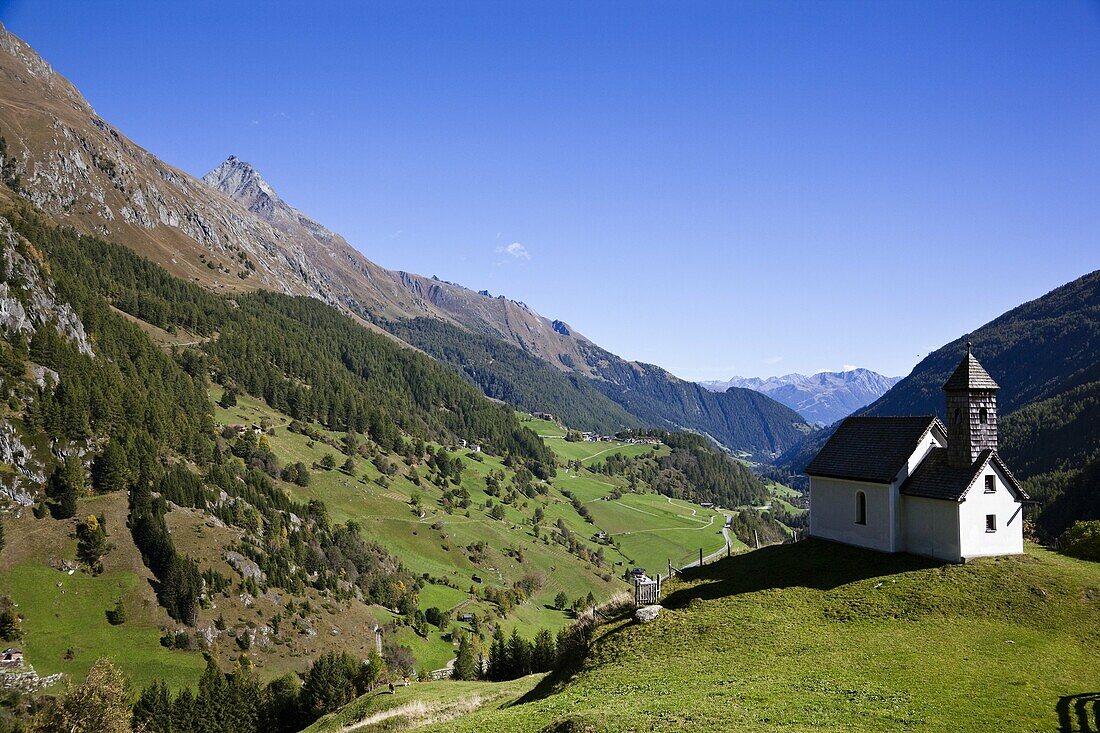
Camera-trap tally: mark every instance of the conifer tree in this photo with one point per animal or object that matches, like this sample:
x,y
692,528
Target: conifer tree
x,y
110,470
64,485
519,656
544,652
465,667
153,709
498,657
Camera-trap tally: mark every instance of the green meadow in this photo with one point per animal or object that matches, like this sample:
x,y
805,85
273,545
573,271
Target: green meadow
x,y
821,637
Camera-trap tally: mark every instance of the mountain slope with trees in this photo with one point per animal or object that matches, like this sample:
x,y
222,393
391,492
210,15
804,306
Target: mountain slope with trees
x,y
739,419
507,373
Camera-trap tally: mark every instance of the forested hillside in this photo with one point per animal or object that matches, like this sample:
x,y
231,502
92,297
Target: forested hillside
x,y
1055,444
505,372
261,479
739,419
296,352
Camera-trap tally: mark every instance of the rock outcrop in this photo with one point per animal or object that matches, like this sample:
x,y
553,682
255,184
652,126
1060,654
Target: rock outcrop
x,y
27,298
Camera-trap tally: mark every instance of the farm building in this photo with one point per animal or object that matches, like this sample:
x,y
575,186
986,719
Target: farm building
x,y
912,484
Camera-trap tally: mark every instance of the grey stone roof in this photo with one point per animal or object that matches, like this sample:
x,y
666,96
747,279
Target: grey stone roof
x,y
935,478
871,448
969,374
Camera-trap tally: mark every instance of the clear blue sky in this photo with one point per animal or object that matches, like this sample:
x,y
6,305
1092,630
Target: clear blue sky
x,y
716,187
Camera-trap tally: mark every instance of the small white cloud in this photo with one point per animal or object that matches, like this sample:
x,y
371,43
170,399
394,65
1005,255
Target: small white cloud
x,y
516,251
773,360
255,122
849,368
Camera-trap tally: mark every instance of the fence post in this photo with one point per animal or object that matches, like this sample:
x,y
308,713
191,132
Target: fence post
x,y
700,557
727,549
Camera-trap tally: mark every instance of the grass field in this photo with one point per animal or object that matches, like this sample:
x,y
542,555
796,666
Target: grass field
x,y
782,496
822,637
68,614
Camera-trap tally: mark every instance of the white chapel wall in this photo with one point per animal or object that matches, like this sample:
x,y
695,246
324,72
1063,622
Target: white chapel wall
x,y
833,512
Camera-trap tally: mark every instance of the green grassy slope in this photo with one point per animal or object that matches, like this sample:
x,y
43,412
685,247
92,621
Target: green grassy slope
x,y
65,627
822,637
644,529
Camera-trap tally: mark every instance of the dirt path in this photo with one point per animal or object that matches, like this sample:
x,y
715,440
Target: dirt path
x,y
682,516
418,713
671,504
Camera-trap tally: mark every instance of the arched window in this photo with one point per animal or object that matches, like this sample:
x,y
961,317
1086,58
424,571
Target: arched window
x,y
861,508
982,415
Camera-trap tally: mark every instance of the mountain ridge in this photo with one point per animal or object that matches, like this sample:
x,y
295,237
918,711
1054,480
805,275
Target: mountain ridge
x,y
233,233
645,391
823,397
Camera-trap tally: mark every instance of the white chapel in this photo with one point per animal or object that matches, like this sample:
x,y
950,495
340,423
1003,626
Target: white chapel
x,y
910,484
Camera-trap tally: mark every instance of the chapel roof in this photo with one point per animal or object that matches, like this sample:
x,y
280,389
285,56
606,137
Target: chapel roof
x,y
936,478
871,449
969,374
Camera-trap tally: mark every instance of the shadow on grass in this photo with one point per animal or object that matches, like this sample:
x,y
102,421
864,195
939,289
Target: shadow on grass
x,y
811,563
1079,713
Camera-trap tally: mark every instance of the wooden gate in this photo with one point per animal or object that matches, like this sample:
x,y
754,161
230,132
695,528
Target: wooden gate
x,y
647,592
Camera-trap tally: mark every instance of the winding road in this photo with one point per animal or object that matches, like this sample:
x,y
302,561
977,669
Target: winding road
x,y
717,553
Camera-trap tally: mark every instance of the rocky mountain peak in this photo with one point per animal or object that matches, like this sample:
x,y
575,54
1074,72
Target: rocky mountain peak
x,y
37,67
241,181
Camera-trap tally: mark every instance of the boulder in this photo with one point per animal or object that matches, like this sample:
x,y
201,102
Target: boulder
x,y
645,614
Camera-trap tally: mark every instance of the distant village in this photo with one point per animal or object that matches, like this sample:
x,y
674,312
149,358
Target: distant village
x,y
594,437
597,438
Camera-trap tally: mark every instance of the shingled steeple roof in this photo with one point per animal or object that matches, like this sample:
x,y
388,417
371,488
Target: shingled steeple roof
x,y
969,374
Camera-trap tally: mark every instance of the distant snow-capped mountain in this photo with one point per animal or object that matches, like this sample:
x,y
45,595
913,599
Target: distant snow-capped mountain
x,y
823,398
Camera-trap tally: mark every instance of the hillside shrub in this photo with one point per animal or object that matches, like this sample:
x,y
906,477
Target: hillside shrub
x,y
1082,540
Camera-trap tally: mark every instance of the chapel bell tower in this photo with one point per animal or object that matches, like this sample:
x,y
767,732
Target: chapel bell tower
x,y
971,412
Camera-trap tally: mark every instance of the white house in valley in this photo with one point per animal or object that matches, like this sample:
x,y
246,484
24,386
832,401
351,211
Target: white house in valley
x,y
912,484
